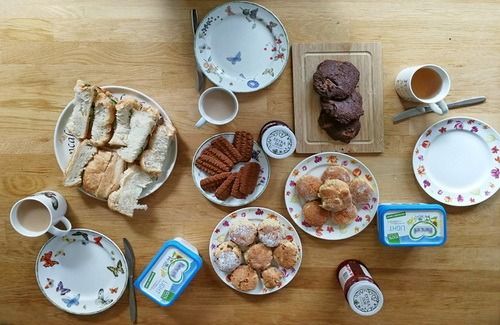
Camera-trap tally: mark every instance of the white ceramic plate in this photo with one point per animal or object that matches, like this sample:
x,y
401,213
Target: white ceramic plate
x,y
257,156
241,46
457,161
65,144
256,215
315,165
83,272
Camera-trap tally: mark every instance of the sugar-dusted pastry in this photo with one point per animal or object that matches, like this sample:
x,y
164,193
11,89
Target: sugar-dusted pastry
x,y
259,256
286,254
336,172
270,232
335,195
307,187
242,232
346,216
314,214
272,277
227,256
361,191
244,278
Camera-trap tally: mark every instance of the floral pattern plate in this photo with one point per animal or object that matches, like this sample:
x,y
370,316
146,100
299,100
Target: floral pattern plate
x,y
65,143
256,215
83,272
241,46
315,165
257,156
457,161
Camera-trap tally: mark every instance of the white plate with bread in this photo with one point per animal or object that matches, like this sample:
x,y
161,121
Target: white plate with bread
x,y
115,143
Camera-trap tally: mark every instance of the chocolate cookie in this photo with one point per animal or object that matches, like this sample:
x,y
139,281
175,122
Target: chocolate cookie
x,y
223,192
249,175
345,111
335,79
243,142
211,183
227,148
341,132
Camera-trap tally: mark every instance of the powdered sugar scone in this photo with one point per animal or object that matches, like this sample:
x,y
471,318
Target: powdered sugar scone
x,y
244,278
270,232
335,195
307,187
361,191
227,256
314,214
336,172
259,256
286,254
272,277
345,216
242,232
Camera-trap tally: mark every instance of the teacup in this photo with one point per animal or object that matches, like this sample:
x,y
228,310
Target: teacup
x,y
217,106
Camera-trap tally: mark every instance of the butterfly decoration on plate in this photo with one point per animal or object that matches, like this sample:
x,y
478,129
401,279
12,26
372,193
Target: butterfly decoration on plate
x,y
116,269
47,260
269,71
97,240
229,11
271,25
101,300
75,301
50,283
249,14
61,289
113,290
234,59
60,252
79,233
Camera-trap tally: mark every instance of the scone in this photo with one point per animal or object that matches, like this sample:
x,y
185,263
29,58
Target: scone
x,y
227,256
335,195
307,187
244,278
259,256
335,79
270,232
286,254
272,277
242,232
314,214
345,216
336,172
361,191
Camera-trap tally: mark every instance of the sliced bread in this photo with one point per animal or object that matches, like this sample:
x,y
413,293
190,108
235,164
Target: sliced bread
x,y
104,116
94,171
79,121
124,109
153,159
79,159
111,179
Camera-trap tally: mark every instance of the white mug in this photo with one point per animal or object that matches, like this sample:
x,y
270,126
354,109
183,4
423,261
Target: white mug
x,y
406,89
217,106
38,213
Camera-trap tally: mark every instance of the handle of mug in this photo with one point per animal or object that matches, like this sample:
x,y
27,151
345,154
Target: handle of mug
x,y
440,107
200,122
59,232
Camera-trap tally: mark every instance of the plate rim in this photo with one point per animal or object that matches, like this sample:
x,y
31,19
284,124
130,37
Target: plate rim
x,y
125,267
213,80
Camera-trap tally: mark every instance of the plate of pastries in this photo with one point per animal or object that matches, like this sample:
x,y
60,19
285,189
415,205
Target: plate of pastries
x,y
115,144
331,195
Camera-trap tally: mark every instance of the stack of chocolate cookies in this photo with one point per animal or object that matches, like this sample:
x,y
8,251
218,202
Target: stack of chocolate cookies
x,y
341,104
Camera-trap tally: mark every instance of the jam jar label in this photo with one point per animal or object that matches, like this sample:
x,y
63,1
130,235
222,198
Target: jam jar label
x,y
366,299
279,142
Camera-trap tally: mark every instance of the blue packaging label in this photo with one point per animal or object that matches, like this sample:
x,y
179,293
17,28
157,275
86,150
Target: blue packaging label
x,y
413,227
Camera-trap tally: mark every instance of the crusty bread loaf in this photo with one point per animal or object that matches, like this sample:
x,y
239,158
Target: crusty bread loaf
x,y
104,116
79,121
124,109
94,171
154,158
111,179
132,182
142,123
79,159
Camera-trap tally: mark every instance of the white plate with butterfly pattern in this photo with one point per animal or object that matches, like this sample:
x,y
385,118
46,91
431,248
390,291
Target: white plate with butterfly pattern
x,y
241,46
83,272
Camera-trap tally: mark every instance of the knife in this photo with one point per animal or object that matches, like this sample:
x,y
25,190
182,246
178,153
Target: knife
x,y
419,110
200,77
129,257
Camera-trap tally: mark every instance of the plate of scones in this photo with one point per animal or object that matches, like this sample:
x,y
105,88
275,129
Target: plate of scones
x,y
231,169
331,195
255,250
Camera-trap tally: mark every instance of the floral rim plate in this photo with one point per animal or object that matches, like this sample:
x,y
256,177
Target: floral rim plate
x,y
83,272
65,144
257,156
315,165
457,161
255,215
241,46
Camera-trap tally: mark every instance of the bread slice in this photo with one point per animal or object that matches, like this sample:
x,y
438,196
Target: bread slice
x,y
104,116
154,158
78,124
124,109
94,171
132,182
111,178
142,123
79,159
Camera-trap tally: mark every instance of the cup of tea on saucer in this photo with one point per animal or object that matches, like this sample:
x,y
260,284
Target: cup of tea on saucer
x,y
217,106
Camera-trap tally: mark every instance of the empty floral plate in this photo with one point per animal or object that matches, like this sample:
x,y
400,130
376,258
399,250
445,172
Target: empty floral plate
x,y
315,165
457,161
241,46
83,272
256,216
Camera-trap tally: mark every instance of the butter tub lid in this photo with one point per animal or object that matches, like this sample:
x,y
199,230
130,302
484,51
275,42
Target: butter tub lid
x,y
411,224
170,271
278,142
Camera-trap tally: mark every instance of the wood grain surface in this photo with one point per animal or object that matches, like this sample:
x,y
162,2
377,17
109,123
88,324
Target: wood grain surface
x,y
367,58
147,45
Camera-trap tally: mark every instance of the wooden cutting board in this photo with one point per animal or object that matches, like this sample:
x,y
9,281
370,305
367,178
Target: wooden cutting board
x,y
367,57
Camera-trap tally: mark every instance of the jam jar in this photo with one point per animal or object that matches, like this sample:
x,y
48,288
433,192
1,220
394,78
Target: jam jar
x,y
277,140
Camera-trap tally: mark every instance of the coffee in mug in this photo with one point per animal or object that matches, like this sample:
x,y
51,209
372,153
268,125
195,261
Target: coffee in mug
x,y
217,106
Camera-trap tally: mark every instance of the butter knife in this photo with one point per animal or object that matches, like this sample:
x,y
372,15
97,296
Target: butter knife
x,y
200,77
419,110
129,257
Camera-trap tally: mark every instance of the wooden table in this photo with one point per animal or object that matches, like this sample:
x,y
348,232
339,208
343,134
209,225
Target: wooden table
x,y
46,45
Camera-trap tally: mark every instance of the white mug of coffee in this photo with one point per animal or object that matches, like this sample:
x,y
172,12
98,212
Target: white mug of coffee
x,y
428,84
38,213
217,106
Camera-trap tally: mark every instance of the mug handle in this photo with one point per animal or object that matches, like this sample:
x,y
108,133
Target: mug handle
x,y
59,232
440,107
200,122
